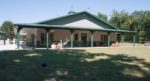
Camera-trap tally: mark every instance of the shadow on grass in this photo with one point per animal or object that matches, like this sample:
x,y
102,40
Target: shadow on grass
x,y
71,65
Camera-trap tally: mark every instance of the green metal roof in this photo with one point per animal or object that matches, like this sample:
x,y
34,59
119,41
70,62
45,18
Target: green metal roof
x,y
69,27
71,15
2,32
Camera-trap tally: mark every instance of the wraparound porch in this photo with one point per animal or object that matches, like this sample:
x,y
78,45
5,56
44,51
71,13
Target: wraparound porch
x,y
73,43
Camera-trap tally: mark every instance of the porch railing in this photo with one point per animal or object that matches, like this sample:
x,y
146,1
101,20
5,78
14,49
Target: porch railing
x,y
75,44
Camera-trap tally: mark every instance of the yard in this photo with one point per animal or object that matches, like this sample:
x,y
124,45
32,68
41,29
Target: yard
x,y
90,64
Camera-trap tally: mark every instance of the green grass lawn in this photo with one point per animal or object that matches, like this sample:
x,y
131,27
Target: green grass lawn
x,y
96,64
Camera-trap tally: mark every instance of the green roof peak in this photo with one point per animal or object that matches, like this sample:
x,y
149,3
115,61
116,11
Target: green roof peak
x,y
71,12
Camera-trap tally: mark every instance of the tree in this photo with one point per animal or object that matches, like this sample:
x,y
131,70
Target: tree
x,y
119,19
8,27
141,25
122,20
146,25
102,16
115,19
137,21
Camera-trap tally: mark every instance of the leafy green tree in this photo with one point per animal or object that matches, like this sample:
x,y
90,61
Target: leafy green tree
x,y
8,27
137,24
102,16
137,21
122,20
141,25
119,19
146,25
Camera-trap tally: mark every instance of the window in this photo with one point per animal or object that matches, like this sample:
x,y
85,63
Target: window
x,y
43,38
104,37
51,37
76,37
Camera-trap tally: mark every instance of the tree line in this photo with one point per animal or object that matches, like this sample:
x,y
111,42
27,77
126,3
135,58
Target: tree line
x,y
138,21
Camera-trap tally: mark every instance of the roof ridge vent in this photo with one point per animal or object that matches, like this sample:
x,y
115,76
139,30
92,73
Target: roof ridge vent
x,y
71,12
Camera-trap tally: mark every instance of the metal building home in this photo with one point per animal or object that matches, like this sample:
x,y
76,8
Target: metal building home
x,y
80,29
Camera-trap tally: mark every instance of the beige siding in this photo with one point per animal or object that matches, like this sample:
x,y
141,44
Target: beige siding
x,y
61,34
65,34
97,36
23,31
113,36
39,31
29,32
84,23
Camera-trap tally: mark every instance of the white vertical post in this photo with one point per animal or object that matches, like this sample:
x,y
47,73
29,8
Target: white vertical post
x,y
92,38
134,39
71,37
108,34
47,38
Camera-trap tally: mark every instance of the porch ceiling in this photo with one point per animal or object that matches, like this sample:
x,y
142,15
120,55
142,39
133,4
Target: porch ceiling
x,y
2,32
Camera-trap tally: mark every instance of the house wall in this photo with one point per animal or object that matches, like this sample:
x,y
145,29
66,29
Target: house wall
x,y
113,37
29,32
23,31
39,31
60,34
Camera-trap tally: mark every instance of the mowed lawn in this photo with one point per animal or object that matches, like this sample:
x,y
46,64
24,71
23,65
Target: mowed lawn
x,y
90,64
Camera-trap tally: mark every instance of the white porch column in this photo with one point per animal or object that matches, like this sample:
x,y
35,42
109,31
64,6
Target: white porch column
x,y
92,38
108,34
18,36
47,38
122,37
71,37
134,39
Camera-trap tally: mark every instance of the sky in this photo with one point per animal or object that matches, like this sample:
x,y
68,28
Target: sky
x,y
32,11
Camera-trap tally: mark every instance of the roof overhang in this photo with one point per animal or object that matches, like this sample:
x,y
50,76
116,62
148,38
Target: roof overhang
x,y
45,26
2,32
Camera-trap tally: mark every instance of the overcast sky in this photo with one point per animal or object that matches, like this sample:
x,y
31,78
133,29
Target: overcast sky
x,y
30,11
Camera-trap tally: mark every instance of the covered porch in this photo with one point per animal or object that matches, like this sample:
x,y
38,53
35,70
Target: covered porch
x,y
73,43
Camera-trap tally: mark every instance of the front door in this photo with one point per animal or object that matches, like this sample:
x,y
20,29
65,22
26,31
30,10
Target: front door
x,y
84,39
